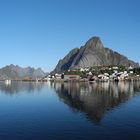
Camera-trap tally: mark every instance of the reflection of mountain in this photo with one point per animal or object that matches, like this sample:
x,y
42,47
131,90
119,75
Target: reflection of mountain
x,y
95,99
16,87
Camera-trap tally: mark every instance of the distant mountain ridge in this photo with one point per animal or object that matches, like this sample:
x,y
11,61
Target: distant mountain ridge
x,y
15,72
93,53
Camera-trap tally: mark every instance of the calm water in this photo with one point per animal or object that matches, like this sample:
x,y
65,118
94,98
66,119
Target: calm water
x,y
55,111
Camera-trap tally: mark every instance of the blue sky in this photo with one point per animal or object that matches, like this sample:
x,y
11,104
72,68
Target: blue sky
x,y
39,32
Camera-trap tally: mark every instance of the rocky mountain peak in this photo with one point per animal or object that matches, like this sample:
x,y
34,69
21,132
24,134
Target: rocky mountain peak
x,y
94,43
92,54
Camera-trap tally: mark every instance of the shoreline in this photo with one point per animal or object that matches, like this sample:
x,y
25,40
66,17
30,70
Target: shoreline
x,y
76,80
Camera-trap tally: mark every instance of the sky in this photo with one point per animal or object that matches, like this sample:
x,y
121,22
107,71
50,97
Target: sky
x,y
38,33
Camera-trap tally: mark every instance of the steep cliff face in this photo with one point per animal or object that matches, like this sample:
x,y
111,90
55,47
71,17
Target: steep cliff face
x,y
67,61
92,54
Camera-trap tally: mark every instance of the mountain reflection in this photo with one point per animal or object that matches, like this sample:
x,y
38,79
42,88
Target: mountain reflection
x,y
17,87
95,99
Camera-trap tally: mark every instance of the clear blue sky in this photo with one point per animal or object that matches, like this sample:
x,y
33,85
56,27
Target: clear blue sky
x,y
39,32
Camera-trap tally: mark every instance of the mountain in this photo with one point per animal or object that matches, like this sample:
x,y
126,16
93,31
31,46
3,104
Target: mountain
x,y
93,53
18,73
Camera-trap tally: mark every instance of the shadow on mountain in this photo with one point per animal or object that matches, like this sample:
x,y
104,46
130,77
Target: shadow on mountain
x,y
94,100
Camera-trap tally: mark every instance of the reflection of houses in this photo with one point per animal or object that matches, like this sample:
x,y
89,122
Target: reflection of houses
x,y
8,82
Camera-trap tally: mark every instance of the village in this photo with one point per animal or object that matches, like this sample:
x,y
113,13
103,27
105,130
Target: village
x,y
97,74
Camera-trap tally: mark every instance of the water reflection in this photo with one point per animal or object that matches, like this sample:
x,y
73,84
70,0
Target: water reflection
x,y
95,99
17,87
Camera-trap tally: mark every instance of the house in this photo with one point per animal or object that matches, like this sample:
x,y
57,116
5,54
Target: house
x,y
122,75
57,76
103,77
131,72
71,77
90,73
130,68
115,71
84,69
115,68
106,74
